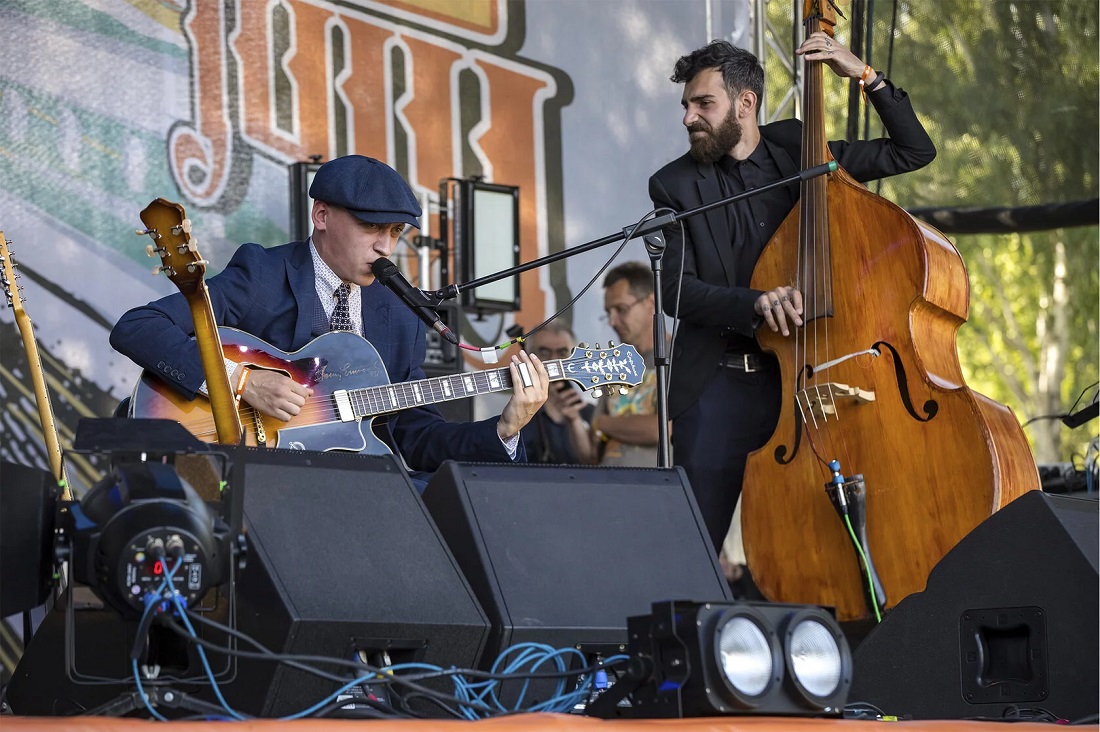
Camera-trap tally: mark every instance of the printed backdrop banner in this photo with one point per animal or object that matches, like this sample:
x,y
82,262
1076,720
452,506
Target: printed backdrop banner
x,y
106,105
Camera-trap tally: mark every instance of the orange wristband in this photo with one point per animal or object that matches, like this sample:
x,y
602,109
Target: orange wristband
x,y
863,80
242,380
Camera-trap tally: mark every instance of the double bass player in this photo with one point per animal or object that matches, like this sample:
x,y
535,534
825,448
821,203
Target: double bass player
x,y
724,395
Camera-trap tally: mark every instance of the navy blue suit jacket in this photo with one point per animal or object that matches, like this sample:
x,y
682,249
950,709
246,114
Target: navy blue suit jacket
x,y
270,294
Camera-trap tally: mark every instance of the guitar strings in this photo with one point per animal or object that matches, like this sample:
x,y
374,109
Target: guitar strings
x,y
322,408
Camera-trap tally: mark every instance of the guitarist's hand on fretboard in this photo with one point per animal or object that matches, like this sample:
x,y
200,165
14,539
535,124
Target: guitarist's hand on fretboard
x,y
526,400
274,394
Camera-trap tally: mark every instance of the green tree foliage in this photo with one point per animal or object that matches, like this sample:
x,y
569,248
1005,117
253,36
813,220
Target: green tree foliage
x,y
1008,90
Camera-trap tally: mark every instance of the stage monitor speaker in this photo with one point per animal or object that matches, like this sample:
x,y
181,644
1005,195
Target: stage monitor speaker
x,y
344,562
28,499
562,555
1008,621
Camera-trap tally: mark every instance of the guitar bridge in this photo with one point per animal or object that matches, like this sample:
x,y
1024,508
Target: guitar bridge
x,y
261,433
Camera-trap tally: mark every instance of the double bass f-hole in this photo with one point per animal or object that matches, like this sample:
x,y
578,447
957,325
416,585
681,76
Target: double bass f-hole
x,y
931,406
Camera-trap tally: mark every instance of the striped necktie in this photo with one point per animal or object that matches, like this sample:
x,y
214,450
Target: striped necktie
x,y
341,315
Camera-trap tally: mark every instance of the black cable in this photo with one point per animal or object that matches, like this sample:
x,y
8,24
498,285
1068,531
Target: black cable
x,y
374,709
442,673
1045,416
595,277
415,690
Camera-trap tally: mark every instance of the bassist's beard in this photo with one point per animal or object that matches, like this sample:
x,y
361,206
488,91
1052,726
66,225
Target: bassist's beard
x,y
716,142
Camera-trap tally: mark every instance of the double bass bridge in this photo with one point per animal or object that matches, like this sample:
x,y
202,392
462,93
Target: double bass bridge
x,y
823,401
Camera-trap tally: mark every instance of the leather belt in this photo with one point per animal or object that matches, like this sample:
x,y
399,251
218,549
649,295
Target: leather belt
x,y
747,362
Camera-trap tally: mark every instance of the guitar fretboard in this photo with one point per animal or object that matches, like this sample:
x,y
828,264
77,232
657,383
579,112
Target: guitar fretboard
x,y
375,400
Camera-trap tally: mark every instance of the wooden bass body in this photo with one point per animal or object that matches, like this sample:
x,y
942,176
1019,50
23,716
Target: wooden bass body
x,y
873,380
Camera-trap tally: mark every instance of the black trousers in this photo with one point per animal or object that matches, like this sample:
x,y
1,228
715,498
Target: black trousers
x,y
735,415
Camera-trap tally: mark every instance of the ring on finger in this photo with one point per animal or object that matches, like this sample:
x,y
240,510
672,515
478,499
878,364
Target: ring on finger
x,y
525,375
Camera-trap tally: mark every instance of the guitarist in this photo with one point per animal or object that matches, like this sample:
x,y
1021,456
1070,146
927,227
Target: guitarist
x,y
290,294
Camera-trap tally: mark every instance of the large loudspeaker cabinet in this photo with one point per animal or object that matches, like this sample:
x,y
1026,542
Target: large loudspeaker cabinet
x,y
344,561
562,555
1008,620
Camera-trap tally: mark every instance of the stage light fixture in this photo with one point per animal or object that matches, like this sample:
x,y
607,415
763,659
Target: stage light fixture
x,y
691,659
139,519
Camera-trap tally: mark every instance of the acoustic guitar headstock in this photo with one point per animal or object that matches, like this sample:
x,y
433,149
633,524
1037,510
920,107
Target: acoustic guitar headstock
x,y
166,223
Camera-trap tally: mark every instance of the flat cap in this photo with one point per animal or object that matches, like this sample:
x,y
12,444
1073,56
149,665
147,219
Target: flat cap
x,y
368,188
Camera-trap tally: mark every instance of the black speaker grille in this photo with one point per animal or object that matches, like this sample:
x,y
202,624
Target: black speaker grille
x,y
562,555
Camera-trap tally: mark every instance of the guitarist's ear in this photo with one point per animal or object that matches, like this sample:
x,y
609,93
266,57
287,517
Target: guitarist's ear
x,y
320,215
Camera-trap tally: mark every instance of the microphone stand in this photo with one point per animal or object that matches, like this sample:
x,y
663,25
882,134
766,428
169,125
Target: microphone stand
x,y
650,230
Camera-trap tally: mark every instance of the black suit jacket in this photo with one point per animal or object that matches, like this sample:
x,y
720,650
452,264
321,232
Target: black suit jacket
x,y
711,307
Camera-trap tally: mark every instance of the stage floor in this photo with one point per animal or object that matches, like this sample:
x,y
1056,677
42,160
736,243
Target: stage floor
x,y
527,723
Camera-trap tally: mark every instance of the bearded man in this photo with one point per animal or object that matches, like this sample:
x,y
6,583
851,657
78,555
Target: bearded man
x,y
724,391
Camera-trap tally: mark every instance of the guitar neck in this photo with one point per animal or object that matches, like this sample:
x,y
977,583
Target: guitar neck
x,y
34,363
223,402
375,400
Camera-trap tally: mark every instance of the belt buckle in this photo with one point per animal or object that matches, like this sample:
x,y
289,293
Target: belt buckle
x,y
746,363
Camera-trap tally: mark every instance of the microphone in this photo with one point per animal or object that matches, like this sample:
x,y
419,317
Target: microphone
x,y
390,276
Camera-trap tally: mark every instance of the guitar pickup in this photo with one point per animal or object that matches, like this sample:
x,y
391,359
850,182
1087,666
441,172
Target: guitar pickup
x,y
343,405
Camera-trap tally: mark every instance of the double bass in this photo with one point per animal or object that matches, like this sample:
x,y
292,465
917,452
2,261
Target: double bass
x,y
882,459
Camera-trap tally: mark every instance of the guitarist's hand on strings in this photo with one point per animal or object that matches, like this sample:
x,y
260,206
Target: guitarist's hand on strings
x,y
530,383
778,306
275,394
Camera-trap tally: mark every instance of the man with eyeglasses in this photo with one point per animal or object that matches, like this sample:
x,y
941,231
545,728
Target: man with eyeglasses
x,y
624,430
560,432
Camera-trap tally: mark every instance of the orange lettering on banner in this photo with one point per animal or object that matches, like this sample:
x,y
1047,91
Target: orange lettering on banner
x,y
366,87
200,155
307,68
429,113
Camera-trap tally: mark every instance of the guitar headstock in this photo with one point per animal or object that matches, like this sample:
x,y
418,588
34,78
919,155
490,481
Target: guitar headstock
x,y
167,225
11,290
601,368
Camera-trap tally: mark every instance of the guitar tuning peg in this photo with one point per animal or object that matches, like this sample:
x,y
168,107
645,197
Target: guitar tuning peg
x,y
157,270
597,393
192,245
583,344
186,226
597,346
622,391
150,250
147,232
611,344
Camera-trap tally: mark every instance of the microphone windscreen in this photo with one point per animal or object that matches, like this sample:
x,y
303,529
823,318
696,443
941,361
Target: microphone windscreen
x,y
383,268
